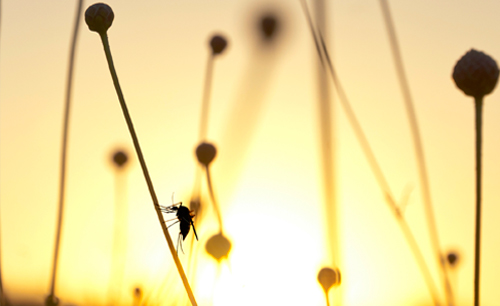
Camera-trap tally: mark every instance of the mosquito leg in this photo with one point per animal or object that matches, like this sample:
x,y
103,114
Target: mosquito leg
x,y
172,224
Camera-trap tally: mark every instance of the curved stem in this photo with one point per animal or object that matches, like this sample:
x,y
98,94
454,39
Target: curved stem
x,y
479,121
419,152
370,156
62,178
212,196
144,168
205,108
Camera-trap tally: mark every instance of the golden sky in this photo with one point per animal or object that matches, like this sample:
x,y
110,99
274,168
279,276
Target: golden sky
x,y
270,191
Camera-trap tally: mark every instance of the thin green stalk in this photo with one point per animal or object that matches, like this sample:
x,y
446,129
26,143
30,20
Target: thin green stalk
x,y
62,178
419,152
479,121
144,168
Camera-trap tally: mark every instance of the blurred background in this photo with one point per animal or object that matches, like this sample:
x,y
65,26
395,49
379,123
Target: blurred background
x,y
267,174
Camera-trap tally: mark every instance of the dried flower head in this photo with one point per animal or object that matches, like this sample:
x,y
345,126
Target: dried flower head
x,y
268,26
452,258
218,44
218,246
328,278
476,73
120,158
205,153
99,17
51,300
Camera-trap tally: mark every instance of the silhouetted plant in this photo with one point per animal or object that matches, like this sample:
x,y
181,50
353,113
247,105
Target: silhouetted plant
x,y
419,151
269,26
51,298
218,246
206,152
99,18
476,74
328,278
120,235
370,156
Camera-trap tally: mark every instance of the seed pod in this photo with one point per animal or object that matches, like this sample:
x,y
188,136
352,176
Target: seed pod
x,y
328,278
120,158
218,44
218,246
268,26
99,17
205,152
476,73
452,258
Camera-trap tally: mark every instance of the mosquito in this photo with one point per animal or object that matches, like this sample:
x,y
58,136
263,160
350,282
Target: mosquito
x,y
184,216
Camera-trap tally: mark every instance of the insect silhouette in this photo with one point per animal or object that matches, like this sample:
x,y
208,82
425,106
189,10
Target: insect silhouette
x,y
184,217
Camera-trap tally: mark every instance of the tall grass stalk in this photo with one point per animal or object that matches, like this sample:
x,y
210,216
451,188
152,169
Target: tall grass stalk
x,y
205,107
144,168
212,197
477,249
2,294
476,74
99,18
377,171
325,110
419,151
51,299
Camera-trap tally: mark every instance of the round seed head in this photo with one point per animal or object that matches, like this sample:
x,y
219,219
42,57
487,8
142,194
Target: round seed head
x,y
476,73
452,258
328,278
120,158
218,247
268,26
99,17
51,300
205,153
218,44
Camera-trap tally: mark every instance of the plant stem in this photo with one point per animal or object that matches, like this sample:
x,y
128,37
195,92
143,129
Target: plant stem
x,y
205,107
370,156
419,152
142,162
62,178
479,121
212,196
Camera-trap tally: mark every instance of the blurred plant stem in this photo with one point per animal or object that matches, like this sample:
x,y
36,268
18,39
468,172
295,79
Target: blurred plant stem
x,y
326,121
62,179
2,294
128,119
205,107
477,254
212,197
370,156
419,151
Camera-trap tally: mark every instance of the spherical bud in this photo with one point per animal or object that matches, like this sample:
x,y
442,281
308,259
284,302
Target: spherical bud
x,y
205,153
268,26
452,258
328,278
218,246
218,44
120,158
476,74
51,300
99,17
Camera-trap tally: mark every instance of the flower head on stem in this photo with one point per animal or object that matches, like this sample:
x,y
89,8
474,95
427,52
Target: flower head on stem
x,y
99,18
476,74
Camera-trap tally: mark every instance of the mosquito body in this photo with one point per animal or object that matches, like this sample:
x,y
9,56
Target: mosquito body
x,y
184,218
